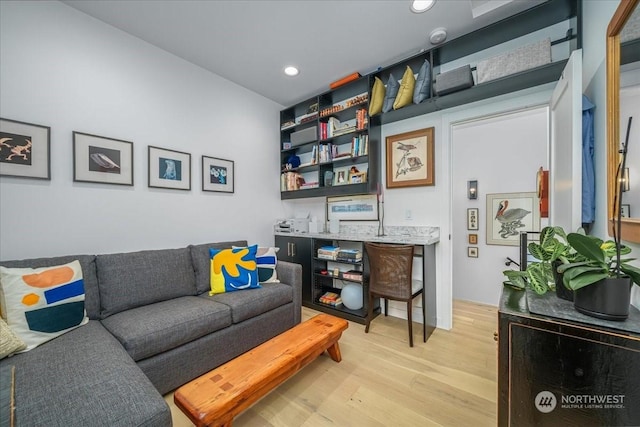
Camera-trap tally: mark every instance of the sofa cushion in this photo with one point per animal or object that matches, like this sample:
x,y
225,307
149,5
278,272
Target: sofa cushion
x,y
234,269
130,280
9,342
250,303
84,378
88,264
41,303
155,328
201,261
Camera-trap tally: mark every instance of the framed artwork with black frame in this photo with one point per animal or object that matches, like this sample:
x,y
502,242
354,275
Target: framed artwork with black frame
x,y
102,160
25,150
169,169
217,174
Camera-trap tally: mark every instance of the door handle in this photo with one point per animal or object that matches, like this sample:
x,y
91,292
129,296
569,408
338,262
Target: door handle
x,y
293,249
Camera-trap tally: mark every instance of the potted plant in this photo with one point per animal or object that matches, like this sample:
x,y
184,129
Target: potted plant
x,y
602,280
551,250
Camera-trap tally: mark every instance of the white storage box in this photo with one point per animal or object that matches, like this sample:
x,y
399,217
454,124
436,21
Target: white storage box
x,y
520,59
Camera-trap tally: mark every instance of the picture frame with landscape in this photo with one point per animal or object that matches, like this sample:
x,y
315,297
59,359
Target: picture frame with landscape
x,y
101,159
169,169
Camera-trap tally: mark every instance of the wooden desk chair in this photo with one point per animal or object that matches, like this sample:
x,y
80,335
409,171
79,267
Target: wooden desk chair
x,y
390,269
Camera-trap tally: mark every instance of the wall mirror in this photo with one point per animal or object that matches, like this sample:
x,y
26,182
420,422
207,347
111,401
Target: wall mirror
x,y
623,55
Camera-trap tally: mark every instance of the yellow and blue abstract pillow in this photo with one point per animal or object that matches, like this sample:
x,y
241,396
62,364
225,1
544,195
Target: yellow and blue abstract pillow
x,y
233,269
42,303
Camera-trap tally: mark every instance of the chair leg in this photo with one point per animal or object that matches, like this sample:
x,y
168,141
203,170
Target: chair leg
x,y
386,307
424,324
369,314
410,319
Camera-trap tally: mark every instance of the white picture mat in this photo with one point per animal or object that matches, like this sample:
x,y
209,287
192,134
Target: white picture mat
x,y
154,169
39,167
500,234
207,185
83,141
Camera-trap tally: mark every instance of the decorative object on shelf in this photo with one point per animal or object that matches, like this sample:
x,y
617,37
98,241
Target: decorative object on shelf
x,y
343,81
357,177
24,150
508,214
169,169
472,252
405,92
410,159
352,296
380,195
218,175
101,159
454,80
422,89
328,178
472,190
293,162
377,97
361,207
473,239
601,280
390,95
520,59
472,218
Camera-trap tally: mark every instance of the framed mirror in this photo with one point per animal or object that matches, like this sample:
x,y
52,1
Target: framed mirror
x,y
623,51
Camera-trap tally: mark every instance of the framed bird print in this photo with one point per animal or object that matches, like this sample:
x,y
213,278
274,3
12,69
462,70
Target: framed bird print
x,y
509,214
102,160
410,159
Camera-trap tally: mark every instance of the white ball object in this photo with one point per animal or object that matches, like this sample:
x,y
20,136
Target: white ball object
x,y
352,296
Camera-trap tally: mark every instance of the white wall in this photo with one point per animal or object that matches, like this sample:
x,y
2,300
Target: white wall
x,y
64,69
503,154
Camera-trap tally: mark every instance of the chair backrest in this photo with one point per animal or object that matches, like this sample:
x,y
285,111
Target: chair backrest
x,y
390,269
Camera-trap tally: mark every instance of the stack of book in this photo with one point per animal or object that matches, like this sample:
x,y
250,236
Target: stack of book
x,y
349,255
331,298
352,275
328,252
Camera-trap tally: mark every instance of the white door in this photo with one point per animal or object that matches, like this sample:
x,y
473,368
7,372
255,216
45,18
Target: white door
x,y
565,157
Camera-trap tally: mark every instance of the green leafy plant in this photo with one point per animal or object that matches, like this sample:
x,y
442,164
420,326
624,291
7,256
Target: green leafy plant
x,y
600,260
538,276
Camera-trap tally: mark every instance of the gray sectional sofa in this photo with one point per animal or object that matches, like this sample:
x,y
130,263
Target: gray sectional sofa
x,y
152,328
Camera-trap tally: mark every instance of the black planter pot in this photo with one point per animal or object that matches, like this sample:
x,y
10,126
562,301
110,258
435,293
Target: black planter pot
x,y
607,299
561,290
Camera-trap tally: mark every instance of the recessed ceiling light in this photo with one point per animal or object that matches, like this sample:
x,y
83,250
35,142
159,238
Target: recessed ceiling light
x,y
291,71
419,6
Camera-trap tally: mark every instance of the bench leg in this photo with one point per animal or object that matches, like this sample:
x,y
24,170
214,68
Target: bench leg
x,y
334,352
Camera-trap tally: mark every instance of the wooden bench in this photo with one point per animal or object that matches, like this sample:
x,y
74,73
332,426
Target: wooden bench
x,y
217,396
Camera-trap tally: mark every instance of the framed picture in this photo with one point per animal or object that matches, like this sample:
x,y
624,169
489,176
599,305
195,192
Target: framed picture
x,y
169,169
625,210
353,208
473,239
410,159
509,214
357,177
472,252
472,218
25,150
101,159
217,174
341,177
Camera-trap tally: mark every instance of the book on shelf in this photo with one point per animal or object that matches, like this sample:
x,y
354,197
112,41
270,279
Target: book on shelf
x,y
331,298
360,145
328,252
352,275
291,181
351,255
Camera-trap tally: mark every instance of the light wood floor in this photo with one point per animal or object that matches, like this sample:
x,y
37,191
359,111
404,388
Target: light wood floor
x,y
381,381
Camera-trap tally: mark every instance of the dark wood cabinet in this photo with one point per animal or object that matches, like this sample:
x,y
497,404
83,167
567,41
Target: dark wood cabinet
x,y
297,250
556,371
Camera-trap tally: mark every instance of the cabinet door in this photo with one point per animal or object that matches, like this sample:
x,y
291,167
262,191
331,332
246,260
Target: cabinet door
x,y
560,375
297,250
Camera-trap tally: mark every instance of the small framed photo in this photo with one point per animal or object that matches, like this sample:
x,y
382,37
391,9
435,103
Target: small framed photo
x,y
357,177
217,174
625,210
473,239
341,177
472,218
169,169
101,159
25,150
472,252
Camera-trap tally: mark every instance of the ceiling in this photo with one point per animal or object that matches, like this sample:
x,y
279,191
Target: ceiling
x,y
250,41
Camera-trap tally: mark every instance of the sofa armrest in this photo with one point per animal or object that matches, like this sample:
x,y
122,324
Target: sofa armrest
x,y
291,274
